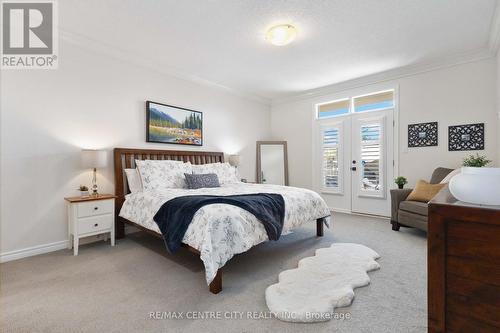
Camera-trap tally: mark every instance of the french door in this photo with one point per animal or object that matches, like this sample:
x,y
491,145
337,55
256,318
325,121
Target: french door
x,y
357,162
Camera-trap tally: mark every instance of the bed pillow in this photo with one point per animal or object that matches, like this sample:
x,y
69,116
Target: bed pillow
x,y
203,180
229,174
158,175
226,173
424,191
205,168
133,180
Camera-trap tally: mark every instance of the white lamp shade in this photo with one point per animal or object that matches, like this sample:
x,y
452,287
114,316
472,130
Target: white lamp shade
x,y
479,186
234,160
94,158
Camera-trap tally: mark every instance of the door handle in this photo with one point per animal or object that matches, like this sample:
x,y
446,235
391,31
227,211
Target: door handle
x,y
353,168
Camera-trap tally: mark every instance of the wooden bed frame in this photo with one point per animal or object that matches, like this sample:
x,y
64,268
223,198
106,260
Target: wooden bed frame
x,y
124,158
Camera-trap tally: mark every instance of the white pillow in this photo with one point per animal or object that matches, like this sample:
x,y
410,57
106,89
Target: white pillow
x,y
226,173
229,174
450,175
166,174
205,168
134,180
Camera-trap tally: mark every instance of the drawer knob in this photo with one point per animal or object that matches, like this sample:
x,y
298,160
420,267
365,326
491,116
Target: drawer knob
x,y
95,225
96,208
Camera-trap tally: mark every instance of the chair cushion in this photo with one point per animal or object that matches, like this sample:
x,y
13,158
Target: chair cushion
x,y
424,191
412,220
452,174
439,174
415,207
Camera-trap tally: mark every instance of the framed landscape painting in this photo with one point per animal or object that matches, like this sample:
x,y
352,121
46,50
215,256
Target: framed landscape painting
x,y
172,124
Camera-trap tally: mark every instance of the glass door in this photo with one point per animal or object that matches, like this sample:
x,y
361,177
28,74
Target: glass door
x,y
372,162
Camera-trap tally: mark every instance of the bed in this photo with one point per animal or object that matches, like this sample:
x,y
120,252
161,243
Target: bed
x,y
218,231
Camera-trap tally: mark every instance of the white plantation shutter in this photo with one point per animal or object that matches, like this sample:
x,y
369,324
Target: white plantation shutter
x,y
330,138
371,157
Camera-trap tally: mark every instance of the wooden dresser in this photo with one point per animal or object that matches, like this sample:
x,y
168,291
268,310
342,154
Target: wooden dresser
x,y
463,261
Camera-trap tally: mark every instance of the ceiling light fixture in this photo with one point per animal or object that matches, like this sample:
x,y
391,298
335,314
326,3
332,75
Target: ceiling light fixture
x,y
282,34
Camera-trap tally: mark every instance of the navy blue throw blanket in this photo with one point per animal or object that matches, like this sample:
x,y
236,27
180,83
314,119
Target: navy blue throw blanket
x,y
175,215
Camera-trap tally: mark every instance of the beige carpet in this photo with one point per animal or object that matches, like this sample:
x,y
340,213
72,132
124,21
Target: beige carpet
x,y
107,289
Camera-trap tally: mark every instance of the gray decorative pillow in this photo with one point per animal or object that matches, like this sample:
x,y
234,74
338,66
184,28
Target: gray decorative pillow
x,y
195,181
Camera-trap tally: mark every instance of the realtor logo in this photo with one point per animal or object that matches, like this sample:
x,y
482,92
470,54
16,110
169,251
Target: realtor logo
x,y
28,35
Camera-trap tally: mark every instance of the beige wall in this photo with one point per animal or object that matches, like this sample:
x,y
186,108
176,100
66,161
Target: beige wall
x,y
93,101
456,95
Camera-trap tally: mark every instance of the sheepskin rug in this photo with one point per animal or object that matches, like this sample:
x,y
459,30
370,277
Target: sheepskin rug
x,y
311,292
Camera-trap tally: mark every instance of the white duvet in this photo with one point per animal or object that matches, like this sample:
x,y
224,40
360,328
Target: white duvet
x,y
219,231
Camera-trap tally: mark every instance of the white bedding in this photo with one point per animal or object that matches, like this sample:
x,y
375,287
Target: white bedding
x,y
219,231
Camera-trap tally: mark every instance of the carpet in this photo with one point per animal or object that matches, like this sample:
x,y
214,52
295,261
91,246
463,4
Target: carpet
x,y
312,291
115,289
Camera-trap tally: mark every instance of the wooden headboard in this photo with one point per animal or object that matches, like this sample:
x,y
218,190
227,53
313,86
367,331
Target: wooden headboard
x,y
124,158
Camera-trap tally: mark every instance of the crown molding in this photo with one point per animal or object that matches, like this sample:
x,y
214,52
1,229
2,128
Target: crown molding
x,y
494,41
153,64
159,66
389,75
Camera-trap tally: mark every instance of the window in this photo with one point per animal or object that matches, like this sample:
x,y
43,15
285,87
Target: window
x,y
371,135
377,101
332,109
331,156
371,102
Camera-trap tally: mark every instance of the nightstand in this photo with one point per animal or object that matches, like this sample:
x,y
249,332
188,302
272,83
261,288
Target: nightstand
x,y
89,216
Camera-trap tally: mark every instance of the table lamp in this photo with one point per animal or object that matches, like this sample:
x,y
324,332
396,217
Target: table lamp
x,y
93,159
234,160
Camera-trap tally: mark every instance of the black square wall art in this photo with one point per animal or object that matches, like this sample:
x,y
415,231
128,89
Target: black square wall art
x,y
466,137
423,135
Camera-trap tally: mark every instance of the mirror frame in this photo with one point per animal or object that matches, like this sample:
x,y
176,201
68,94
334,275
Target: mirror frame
x,y
285,151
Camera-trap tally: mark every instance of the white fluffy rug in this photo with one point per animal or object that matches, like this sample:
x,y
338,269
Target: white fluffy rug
x,y
311,292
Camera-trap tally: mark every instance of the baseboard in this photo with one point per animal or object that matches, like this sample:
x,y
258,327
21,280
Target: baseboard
x,y
349,212
33,251
51,247
371,215
340,210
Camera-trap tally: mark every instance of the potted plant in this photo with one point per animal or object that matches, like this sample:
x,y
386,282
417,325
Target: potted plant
x,y
84,190
400,181
476,161
477,184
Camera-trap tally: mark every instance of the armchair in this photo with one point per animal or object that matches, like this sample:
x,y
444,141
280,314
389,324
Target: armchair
x,y
406,213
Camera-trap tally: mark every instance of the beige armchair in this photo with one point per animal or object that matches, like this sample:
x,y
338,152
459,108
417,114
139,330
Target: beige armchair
x,y
406,213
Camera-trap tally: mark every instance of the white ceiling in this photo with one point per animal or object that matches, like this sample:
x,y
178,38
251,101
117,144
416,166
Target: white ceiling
x,y
222,41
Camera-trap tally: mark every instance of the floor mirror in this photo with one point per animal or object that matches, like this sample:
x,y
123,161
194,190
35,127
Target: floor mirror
x,y
272,162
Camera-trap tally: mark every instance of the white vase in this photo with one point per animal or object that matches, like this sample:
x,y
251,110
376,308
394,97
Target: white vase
x,y
477,185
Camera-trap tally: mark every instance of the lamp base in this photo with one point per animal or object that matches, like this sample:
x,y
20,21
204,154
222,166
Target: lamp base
x,y
94,184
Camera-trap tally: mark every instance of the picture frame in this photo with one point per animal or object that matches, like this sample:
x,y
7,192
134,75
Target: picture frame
x,y
423,135
172,124
466,137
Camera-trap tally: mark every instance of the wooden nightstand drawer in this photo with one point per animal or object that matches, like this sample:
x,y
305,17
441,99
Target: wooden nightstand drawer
x,y
95,223
88,216
94,208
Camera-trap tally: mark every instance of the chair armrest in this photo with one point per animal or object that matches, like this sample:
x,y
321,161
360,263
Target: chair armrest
x,y
397,196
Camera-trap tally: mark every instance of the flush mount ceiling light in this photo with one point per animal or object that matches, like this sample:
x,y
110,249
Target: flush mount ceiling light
x,y
282,34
